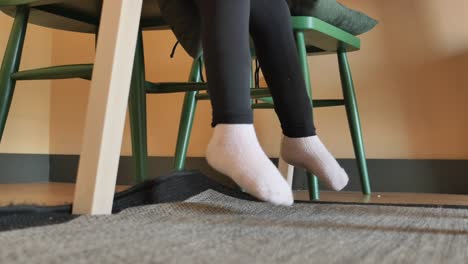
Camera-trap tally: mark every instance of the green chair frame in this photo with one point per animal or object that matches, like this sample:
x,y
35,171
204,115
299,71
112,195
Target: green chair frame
x,y
10,74
329,40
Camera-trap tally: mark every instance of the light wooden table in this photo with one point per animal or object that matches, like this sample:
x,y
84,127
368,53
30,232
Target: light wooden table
x,y
102,141
99,160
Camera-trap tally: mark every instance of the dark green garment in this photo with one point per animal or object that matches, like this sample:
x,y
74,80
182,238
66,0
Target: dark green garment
x,y
334,13
183,17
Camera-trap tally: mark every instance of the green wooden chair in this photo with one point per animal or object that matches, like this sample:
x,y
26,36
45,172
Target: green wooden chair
x,y
83,16
313,37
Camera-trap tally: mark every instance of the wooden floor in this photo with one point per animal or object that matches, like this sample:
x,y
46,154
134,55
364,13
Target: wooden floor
x,y
389,198
61,193
38,194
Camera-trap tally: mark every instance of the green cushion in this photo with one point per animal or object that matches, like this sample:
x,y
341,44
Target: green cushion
x,y
183,18
334,13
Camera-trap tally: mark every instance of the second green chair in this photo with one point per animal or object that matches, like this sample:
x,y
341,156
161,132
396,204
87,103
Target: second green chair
x,y
313,37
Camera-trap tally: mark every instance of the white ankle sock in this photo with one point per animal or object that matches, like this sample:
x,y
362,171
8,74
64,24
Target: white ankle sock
x,y
234,150
310,153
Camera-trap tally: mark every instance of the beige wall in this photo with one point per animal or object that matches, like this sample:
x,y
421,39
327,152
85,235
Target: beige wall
x,y
411,81
27,129
69,97
410,78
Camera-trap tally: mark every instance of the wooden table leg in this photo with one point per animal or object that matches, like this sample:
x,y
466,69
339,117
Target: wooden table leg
x,y
97,173
286,170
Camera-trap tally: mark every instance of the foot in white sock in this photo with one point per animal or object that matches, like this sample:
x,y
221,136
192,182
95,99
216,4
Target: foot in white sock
x,y
234,150
310,153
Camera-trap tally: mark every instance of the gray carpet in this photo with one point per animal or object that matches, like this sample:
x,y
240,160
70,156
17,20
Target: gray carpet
x,y
214,228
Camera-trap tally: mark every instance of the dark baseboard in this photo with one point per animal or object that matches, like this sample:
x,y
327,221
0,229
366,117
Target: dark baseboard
x,y
415,176
63,168
24,168
418,176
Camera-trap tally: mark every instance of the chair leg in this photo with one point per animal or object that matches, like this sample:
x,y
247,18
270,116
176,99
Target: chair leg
x,y
353,119
187,117
137,110
286,170
314,190
11,63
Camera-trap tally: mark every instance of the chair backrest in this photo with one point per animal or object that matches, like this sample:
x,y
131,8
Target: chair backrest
x,y
77,15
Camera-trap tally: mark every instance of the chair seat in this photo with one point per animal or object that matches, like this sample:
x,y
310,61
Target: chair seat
x,y
321,37
83,16
78,15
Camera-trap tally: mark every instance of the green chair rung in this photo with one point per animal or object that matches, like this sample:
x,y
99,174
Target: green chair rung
x,y
267,103
263,106
254,93
259,93
83,71
203,96
174,87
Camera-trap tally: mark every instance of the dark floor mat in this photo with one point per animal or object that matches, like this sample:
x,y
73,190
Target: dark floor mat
x,y
212,227
174,187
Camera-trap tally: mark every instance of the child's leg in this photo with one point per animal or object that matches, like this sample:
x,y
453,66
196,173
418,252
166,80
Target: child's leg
x,y
234,149
271,29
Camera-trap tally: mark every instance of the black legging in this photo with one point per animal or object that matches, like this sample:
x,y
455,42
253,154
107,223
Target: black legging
x,y
226,42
